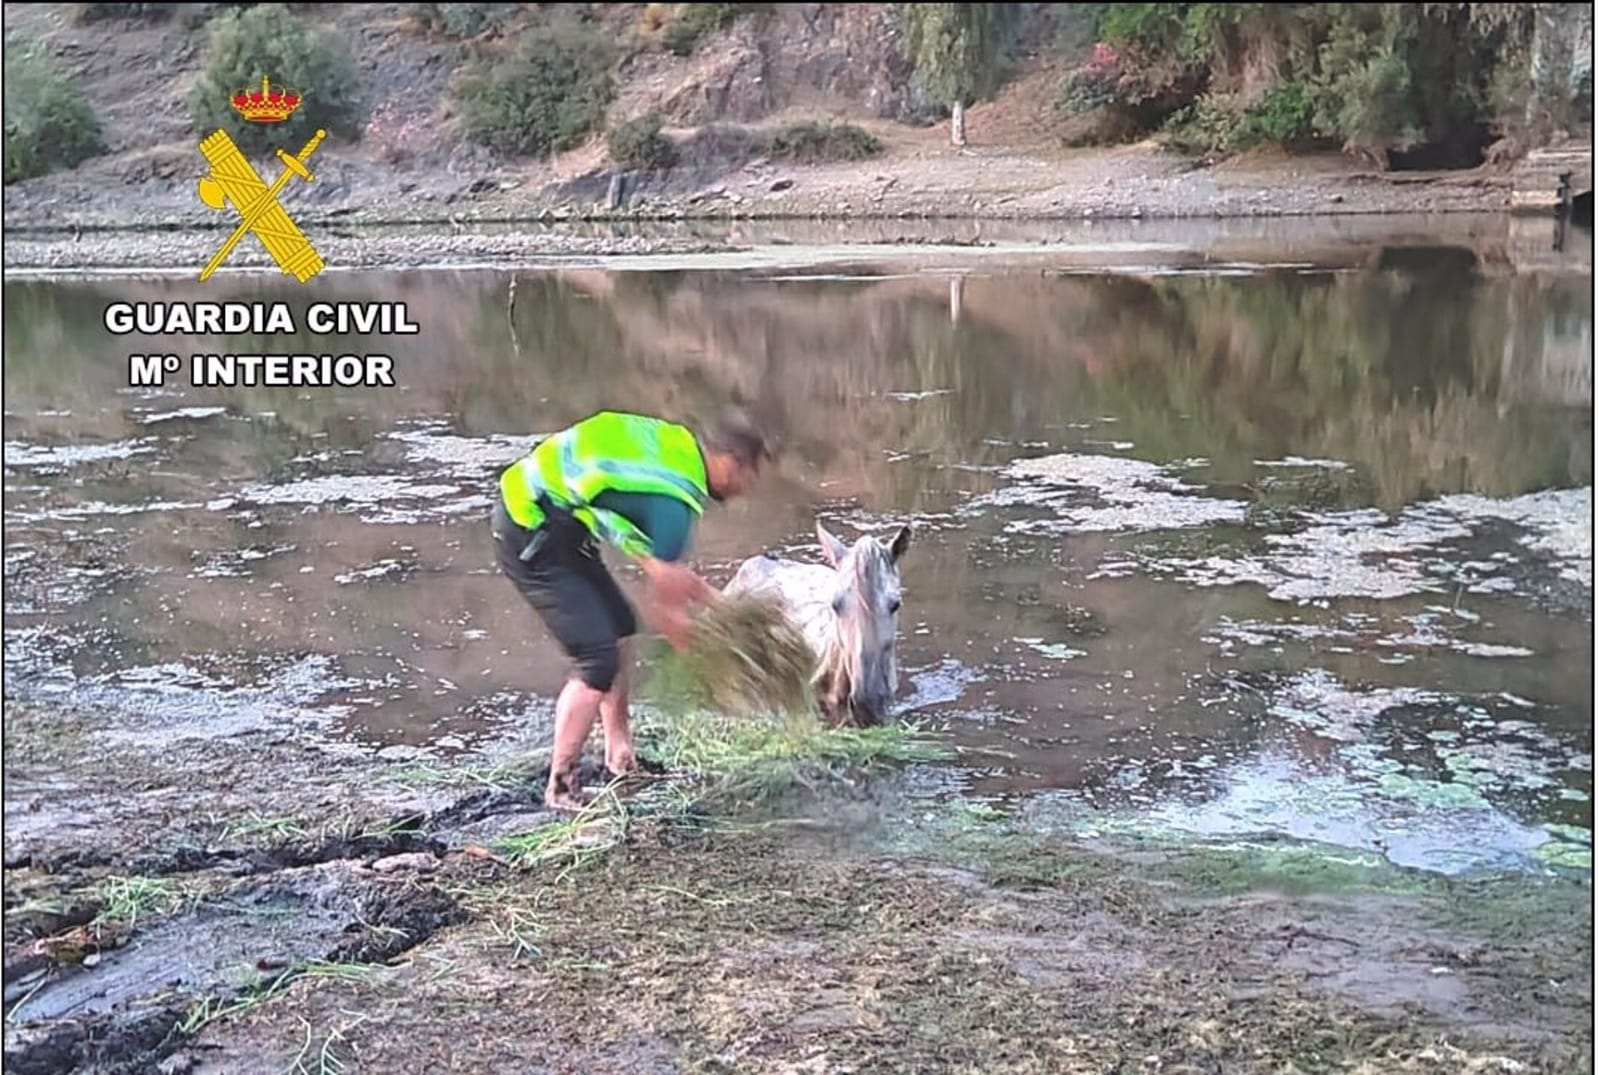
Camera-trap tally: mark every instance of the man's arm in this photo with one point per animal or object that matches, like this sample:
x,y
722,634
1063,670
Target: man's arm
x,y
663,526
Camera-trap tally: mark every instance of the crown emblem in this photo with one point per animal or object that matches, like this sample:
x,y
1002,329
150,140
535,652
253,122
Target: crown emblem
x,y
268,104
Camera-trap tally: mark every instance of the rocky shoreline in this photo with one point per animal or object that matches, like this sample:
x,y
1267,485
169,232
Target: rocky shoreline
x,y
88,220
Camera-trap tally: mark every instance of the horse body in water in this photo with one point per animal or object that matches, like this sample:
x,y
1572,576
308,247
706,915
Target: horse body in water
x,y
848,611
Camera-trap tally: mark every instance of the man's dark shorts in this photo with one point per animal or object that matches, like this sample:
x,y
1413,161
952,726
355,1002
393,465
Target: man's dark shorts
x,y
568,585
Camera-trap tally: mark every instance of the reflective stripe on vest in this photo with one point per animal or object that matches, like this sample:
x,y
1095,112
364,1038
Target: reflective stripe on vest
x,y
609,451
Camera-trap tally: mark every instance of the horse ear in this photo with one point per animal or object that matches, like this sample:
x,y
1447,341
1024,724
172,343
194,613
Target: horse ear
x,y
901,542
832,548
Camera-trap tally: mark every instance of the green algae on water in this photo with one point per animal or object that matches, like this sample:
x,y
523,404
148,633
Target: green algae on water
x,y
1568,847
1432,794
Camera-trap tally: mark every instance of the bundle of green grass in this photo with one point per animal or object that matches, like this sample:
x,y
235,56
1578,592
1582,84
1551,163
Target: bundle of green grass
x,y
744,658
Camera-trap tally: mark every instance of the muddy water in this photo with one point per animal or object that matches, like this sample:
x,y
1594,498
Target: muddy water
x,y
1228,554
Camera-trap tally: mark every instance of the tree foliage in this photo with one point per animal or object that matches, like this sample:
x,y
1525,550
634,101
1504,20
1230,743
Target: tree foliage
x,y
49,123
958,50
245,45
1376,78
695,21
543,98
639,143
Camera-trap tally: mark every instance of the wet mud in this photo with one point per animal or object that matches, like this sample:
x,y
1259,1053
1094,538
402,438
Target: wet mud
x,y
117,954
860,929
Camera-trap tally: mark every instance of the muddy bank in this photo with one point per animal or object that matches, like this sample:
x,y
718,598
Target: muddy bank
x,y
991,183
97,217
251,906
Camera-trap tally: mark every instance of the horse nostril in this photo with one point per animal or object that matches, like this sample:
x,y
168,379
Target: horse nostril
x,y
838,604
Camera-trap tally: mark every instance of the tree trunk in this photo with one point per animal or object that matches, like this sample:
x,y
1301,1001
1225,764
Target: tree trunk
x,y
957,124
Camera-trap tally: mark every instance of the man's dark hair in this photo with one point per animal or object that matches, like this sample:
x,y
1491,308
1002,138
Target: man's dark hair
x,y
740,439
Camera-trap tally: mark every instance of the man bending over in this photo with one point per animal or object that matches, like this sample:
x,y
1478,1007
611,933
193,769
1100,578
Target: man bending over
x,y
641,484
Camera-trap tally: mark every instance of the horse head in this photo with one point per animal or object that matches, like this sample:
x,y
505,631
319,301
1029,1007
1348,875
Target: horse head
x,y
857,670
848,611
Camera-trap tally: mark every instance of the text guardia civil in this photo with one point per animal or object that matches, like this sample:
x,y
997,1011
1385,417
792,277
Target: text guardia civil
x,y
336,319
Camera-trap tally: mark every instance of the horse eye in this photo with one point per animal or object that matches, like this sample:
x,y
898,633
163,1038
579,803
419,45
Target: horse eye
x,y
893,606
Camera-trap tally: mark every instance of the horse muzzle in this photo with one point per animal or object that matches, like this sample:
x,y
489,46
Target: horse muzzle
x,y
870,707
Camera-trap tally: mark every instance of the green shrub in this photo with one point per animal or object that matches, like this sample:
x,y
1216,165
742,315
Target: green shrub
x,y
811,143
49,123
1285,115
1222,123
83,14
266,41
723,145
1378,77
463,20
1191,32
188,16
543,98
1209,125
1363,91
682,36
639,143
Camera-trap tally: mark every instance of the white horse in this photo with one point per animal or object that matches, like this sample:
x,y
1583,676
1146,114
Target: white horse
x,y
849,613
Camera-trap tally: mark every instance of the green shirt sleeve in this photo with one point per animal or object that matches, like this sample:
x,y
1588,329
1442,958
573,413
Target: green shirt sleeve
x,y
665,522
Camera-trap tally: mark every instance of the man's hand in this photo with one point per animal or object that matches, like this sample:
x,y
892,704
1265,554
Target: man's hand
x,y
673,588
672,625
675,585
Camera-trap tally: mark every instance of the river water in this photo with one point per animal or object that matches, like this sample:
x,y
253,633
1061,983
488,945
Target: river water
x,y
1225,551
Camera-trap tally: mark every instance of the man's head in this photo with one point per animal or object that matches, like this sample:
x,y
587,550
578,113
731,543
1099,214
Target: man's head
x,y
735,451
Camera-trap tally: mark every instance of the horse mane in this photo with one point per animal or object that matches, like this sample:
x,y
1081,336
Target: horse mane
x,y
838,666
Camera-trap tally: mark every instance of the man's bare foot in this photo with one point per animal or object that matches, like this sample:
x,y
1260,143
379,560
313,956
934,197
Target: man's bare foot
x,y
563,793
620,759
569,801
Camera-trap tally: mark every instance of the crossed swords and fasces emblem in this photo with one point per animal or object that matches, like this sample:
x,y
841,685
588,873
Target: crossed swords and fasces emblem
x,y
233,179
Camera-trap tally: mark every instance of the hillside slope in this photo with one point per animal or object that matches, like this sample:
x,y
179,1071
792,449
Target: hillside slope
x,y
799,61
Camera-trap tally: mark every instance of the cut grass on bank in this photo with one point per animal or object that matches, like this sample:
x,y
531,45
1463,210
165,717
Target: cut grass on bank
x,y
753,761
718,765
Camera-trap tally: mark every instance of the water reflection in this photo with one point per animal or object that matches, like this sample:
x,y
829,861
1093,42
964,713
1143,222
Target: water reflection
x,y
180,543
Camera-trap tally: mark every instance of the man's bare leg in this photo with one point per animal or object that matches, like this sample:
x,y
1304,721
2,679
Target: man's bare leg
x,y
619,756
575,711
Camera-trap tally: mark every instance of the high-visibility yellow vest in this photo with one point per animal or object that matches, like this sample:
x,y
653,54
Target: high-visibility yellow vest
x,y
608,451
